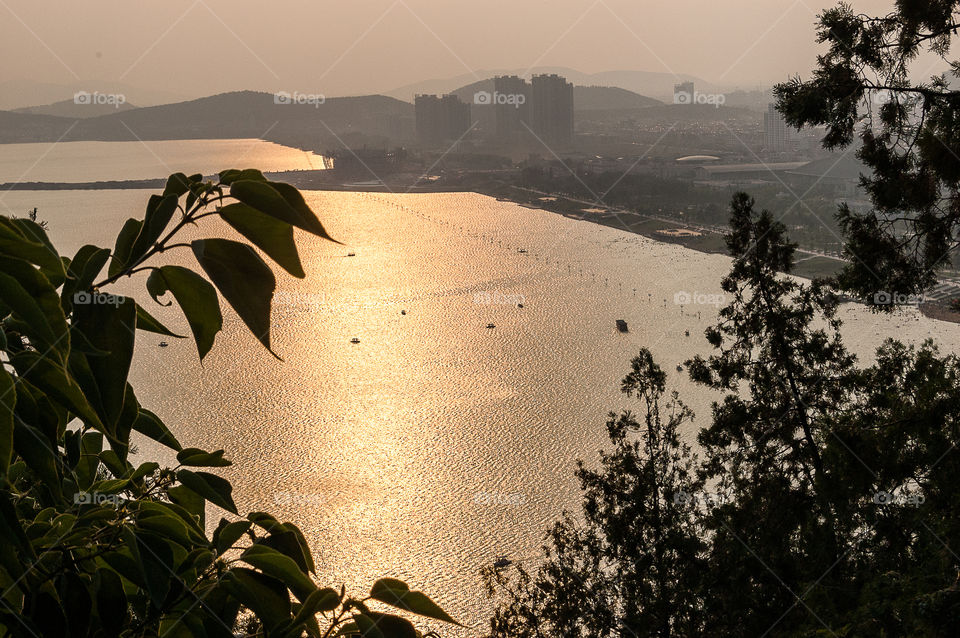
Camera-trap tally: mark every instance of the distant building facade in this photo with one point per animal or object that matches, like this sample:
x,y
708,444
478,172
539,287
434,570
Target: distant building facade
x,y
551,109
441,119
543,107
778,136
511,106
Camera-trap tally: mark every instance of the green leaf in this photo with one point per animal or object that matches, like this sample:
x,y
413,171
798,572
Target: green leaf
x,y
155,560
110,327
111,601
177,185
145,468
281,201
160,211
199,458
149,424
122,249
8,399
266,596
230,176
211,487
84,268
189,502
148,323
398,594
52,378
283,568
244,280
228,533
86,471
196,297
170,527
269,234
25,239
367,626
392,626
295,199
32,298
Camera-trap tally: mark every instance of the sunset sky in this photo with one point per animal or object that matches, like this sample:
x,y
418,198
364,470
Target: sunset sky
x,y
197,47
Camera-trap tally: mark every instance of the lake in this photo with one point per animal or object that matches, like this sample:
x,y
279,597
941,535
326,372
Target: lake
x,y
436,443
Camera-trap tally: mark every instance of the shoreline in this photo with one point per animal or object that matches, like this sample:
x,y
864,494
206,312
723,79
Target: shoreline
x,y
694,237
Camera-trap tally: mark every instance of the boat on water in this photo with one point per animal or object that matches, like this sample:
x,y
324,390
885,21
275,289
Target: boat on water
x,y
622,326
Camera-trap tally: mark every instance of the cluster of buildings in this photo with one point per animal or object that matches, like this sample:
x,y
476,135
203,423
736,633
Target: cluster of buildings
x,y
441,119
538,112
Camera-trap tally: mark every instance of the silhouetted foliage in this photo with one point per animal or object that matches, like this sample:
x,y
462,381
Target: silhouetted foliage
x,y
93,545
909,135
823,500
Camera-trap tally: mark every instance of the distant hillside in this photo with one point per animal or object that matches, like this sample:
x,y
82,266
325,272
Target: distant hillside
x,y
242,114
585,98
640,82
24,93
72,110
590,98
26,127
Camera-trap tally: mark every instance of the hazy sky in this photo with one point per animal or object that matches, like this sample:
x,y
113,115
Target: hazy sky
x,y
364,46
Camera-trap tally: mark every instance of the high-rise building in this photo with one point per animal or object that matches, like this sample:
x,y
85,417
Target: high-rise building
x,y
511,104
778,136
551,109
441,119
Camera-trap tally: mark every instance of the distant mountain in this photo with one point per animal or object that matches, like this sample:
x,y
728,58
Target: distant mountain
x,y
592,98
71,109
649,83
18,94
244,114
27,127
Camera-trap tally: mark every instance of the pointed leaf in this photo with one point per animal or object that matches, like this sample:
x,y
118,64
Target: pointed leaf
x,y
269,234
244,280
196,297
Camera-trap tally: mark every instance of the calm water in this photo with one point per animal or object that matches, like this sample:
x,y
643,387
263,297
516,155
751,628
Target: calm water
x,y
435,444
96,161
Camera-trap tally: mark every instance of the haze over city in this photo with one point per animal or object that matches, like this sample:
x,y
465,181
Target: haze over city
x,y
192,48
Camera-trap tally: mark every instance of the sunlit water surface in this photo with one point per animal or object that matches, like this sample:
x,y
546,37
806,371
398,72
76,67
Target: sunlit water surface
x,y
436,443
100,161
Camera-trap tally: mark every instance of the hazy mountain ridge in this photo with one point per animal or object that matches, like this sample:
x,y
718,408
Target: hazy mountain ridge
x,y
649,83
71,109
241,114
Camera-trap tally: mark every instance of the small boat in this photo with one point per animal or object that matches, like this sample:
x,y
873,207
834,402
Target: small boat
x,y
622,326
491,326
164,344
502,562
355,340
